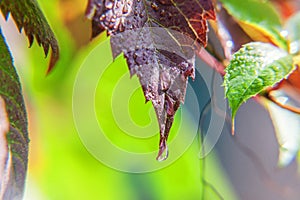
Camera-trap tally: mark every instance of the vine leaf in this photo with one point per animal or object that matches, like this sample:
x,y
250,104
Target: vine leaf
x,y
258,19
29,16
16,139
148,33
253,68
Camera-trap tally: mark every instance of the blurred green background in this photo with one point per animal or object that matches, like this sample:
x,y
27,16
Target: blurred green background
x,y
60,167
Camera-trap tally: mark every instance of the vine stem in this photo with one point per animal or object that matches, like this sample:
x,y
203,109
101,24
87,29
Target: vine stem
x,y
287,107
200,132
211,61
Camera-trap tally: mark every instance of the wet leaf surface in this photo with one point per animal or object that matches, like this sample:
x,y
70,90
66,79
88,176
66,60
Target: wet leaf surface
x,y
253,68
158,39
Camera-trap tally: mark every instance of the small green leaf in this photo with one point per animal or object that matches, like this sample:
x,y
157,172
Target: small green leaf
x,y
258,19
253,68
29,16
17,136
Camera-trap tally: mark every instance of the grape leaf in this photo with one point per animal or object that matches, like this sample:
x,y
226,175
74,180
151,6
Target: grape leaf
x,y
17,137
258,19
163,73
29,16
253,68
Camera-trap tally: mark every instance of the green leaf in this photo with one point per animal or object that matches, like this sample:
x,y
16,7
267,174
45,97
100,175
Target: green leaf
x,y
253,68
258,19
29,16
17,137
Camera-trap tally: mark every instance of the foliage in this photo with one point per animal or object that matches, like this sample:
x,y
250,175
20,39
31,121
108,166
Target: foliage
x,y
255,67
16,154
258,19
262,61
163,74
28,15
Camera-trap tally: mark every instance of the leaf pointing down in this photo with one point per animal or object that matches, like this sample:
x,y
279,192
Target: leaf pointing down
x,y
253,68
17,136
29,16
158,39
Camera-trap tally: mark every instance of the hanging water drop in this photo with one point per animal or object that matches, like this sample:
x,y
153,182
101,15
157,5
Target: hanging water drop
x,y
154,6
109,4
163,150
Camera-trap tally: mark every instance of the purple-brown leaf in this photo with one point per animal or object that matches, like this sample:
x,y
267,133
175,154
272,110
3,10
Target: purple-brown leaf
x,y
28,15
14,150
158,39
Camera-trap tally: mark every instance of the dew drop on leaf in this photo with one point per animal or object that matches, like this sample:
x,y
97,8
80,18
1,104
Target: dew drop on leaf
x,y
163,150
162,72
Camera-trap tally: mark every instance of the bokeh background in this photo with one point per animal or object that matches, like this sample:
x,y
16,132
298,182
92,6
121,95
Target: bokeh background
x,y
60,166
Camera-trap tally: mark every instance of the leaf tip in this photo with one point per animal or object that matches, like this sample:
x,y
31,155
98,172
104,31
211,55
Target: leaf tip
x,y
54,58
232,127
163,152
52,63
30,39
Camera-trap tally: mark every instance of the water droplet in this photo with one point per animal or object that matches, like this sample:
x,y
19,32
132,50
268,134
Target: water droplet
x,y
284,33
154,6
113,20
163,13
163,156
109,4
102,17
121,27
295,47
125,9
163,151
229,44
